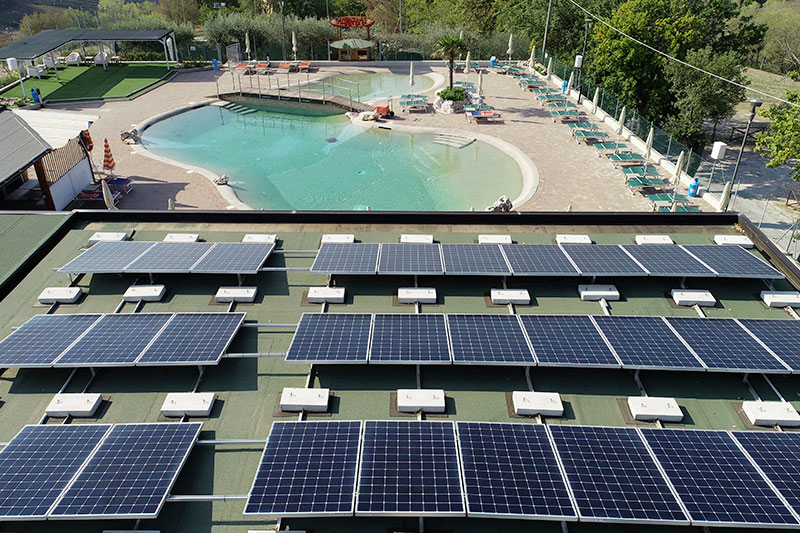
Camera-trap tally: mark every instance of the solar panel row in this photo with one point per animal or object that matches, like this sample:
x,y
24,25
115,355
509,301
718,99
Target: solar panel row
x,y
170,257
92,470
146,339
542,260
503,470
636,342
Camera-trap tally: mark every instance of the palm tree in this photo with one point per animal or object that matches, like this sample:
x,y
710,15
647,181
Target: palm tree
x,y
448,47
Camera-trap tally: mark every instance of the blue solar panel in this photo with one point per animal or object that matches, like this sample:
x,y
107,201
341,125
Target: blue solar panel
x,y
511,471
538,260
170,257
38,464
193,338
108,257
602,260
331,338
131,473
115,340
723,344
474,259
234,258
410,258
732,261
780,336
307,469
668,260
409,468
563,340
409,338
778,457
344,258
42,338
715,480
646,342
488,339
613,477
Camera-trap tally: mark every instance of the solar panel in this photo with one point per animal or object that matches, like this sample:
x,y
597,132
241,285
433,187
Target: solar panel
x,y
780,336
307,469
114,340
602,260
170,257
331,338
346,258
715,480
410,258
613,477
409,338
511,471
108,257
474,259
409,468
732,261
131,473
668,260
39,462
564,340
41,339
538,260
778,457
488,339
646,342
234,258
193,338
723,344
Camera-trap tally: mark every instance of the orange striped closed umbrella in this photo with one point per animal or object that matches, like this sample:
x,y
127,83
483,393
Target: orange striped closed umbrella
x,y
87,140
108,158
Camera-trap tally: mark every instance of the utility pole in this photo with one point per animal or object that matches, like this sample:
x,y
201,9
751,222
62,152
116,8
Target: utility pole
x,y
754,105
546,30
588,23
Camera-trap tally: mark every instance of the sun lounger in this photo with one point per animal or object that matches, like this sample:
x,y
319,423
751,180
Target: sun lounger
x,y
640,171
562,105
96,196
123,185
643,183
666,199
482,116
581,126
74,59
464,84
564,114
475,107
606,147
414,105
303,65
618,160
545,91
551,97
412,96
587,135
679,209
288,66
262,68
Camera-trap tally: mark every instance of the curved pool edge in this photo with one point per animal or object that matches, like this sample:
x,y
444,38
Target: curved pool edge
x,y
227,192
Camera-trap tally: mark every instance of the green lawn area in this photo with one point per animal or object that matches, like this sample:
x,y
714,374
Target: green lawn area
x,y
92,82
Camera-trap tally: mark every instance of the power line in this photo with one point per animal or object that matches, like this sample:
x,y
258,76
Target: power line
x,y
684,63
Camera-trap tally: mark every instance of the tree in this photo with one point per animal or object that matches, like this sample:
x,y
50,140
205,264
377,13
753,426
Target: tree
x,y
781,143
179,10
449,47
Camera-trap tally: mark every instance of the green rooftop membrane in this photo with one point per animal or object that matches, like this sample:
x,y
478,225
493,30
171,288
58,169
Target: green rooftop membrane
x,y
248,388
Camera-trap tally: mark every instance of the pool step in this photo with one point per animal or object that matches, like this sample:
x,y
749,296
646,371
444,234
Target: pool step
x,y
456,141
239,109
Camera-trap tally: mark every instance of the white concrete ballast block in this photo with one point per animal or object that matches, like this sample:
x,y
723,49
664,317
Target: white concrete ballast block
x,y
654,408
331,295
188,404
690,297
236,294
771,413
74,404
411,295
494,239
781,298
510,296
738,240
60,295
594,293
425,400
299,399
573,239
654,239
144,293
107,236
260,238
345,238
537,403
417,239
182,237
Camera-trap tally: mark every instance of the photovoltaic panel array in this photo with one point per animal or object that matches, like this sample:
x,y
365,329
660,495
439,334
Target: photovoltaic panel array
x,y
782,337
196,338
733,261
40,340
511,471
538,260
39,462
668,260
130,473
331,338
474,259
170,257
410,258
715,480
307,469
409,469
409,338
488,339
340,258
613,477
559,340
602,260
778,457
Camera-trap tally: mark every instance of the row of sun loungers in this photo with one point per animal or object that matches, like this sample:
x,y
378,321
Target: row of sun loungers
x,y
263,67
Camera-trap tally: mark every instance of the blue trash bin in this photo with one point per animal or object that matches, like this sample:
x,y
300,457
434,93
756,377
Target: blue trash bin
x,y
215,64
564,87
694,187
35,96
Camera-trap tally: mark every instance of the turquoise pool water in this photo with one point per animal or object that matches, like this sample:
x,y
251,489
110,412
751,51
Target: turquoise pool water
x,y
277,160
371,87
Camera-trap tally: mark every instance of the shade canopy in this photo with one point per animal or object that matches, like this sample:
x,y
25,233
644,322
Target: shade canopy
x,y
355,44
47,41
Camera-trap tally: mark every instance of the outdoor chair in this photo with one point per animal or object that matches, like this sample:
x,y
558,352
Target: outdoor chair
x,y
74,59
304,65
35,70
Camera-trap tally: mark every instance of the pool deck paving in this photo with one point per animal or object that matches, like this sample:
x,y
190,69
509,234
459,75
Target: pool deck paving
x,y
571,176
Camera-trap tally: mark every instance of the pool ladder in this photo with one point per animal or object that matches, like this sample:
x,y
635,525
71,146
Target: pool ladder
x,y
239,109
456,141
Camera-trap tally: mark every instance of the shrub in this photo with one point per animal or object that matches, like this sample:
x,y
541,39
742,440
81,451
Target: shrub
x,y
456,94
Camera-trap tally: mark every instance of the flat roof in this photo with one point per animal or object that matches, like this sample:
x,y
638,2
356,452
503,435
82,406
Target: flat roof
x,y
248,388
47,41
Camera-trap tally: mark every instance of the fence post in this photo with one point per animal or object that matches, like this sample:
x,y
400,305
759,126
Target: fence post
x,y
351,98
240,85
258,82
299,95
216,82
323,92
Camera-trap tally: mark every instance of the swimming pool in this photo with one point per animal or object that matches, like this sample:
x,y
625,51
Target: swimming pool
x,y
369,87
278,160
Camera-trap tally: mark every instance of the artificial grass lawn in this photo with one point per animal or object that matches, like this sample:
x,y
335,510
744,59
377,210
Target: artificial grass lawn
x,y
92,82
